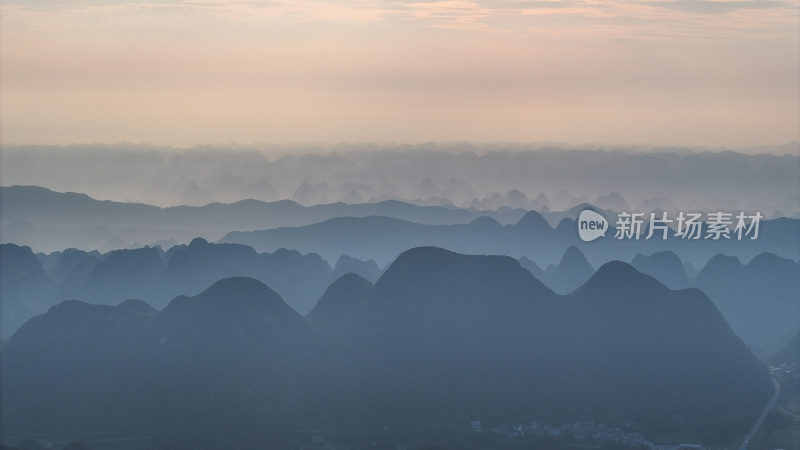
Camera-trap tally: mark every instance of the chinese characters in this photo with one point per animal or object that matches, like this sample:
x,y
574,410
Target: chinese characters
x,y
689,225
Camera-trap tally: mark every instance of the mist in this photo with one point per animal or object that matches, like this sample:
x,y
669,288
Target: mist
x,y
458,174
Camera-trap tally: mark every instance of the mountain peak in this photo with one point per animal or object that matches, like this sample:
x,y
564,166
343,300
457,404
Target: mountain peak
x,y
69,307
768,260
533,220
665,266
531,266
485,222
572,257
572,271
138,305
431,277
662,257
720,264
237,295
342,296
720,258
424,253
542,202
617,269
516,194
198,242
565,226
613,201
366,269
618,279
240,287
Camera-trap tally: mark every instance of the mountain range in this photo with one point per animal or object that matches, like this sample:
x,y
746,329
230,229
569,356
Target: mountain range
x,y
30,283
440,336
50,221
457,173
760,300
383,238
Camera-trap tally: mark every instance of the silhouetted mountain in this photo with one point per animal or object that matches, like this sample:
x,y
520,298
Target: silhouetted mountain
x,y
426,188
353,236
532,267
121,275
342,296
419,346
78,220
226,360
541,202
72,266
83,349
533,222
790,353
135,304
418,326
665,266
441,336
382,238
307,194
691,271
572,271
557,217
563,199
760,300
353,197
612,201
511,199
148,274
708,178
640,319
189,268
517,199
300,279
55,220
22,274
785,365
242,299
429,276
485,223
25,288
366,269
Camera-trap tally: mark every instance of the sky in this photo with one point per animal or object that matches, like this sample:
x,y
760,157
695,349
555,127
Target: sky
x,y
182,73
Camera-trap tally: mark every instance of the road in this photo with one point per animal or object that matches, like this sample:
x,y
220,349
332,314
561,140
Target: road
x,y
324,444
760,420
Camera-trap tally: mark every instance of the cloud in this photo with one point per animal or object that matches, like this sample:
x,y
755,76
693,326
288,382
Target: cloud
x,y
719,7
208,71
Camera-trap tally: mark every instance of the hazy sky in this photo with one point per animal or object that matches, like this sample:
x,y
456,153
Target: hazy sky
x,y
207,71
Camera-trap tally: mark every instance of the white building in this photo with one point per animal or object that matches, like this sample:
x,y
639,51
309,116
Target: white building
x,y
475,425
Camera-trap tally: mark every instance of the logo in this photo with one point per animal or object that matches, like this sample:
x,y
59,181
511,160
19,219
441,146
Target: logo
x,y
591,225
686,225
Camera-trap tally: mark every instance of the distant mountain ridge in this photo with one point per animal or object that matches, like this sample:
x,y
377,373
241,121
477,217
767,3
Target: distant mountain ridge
x,y
572,271
666,266
49,220
383,238
458,173
760,299
28,288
